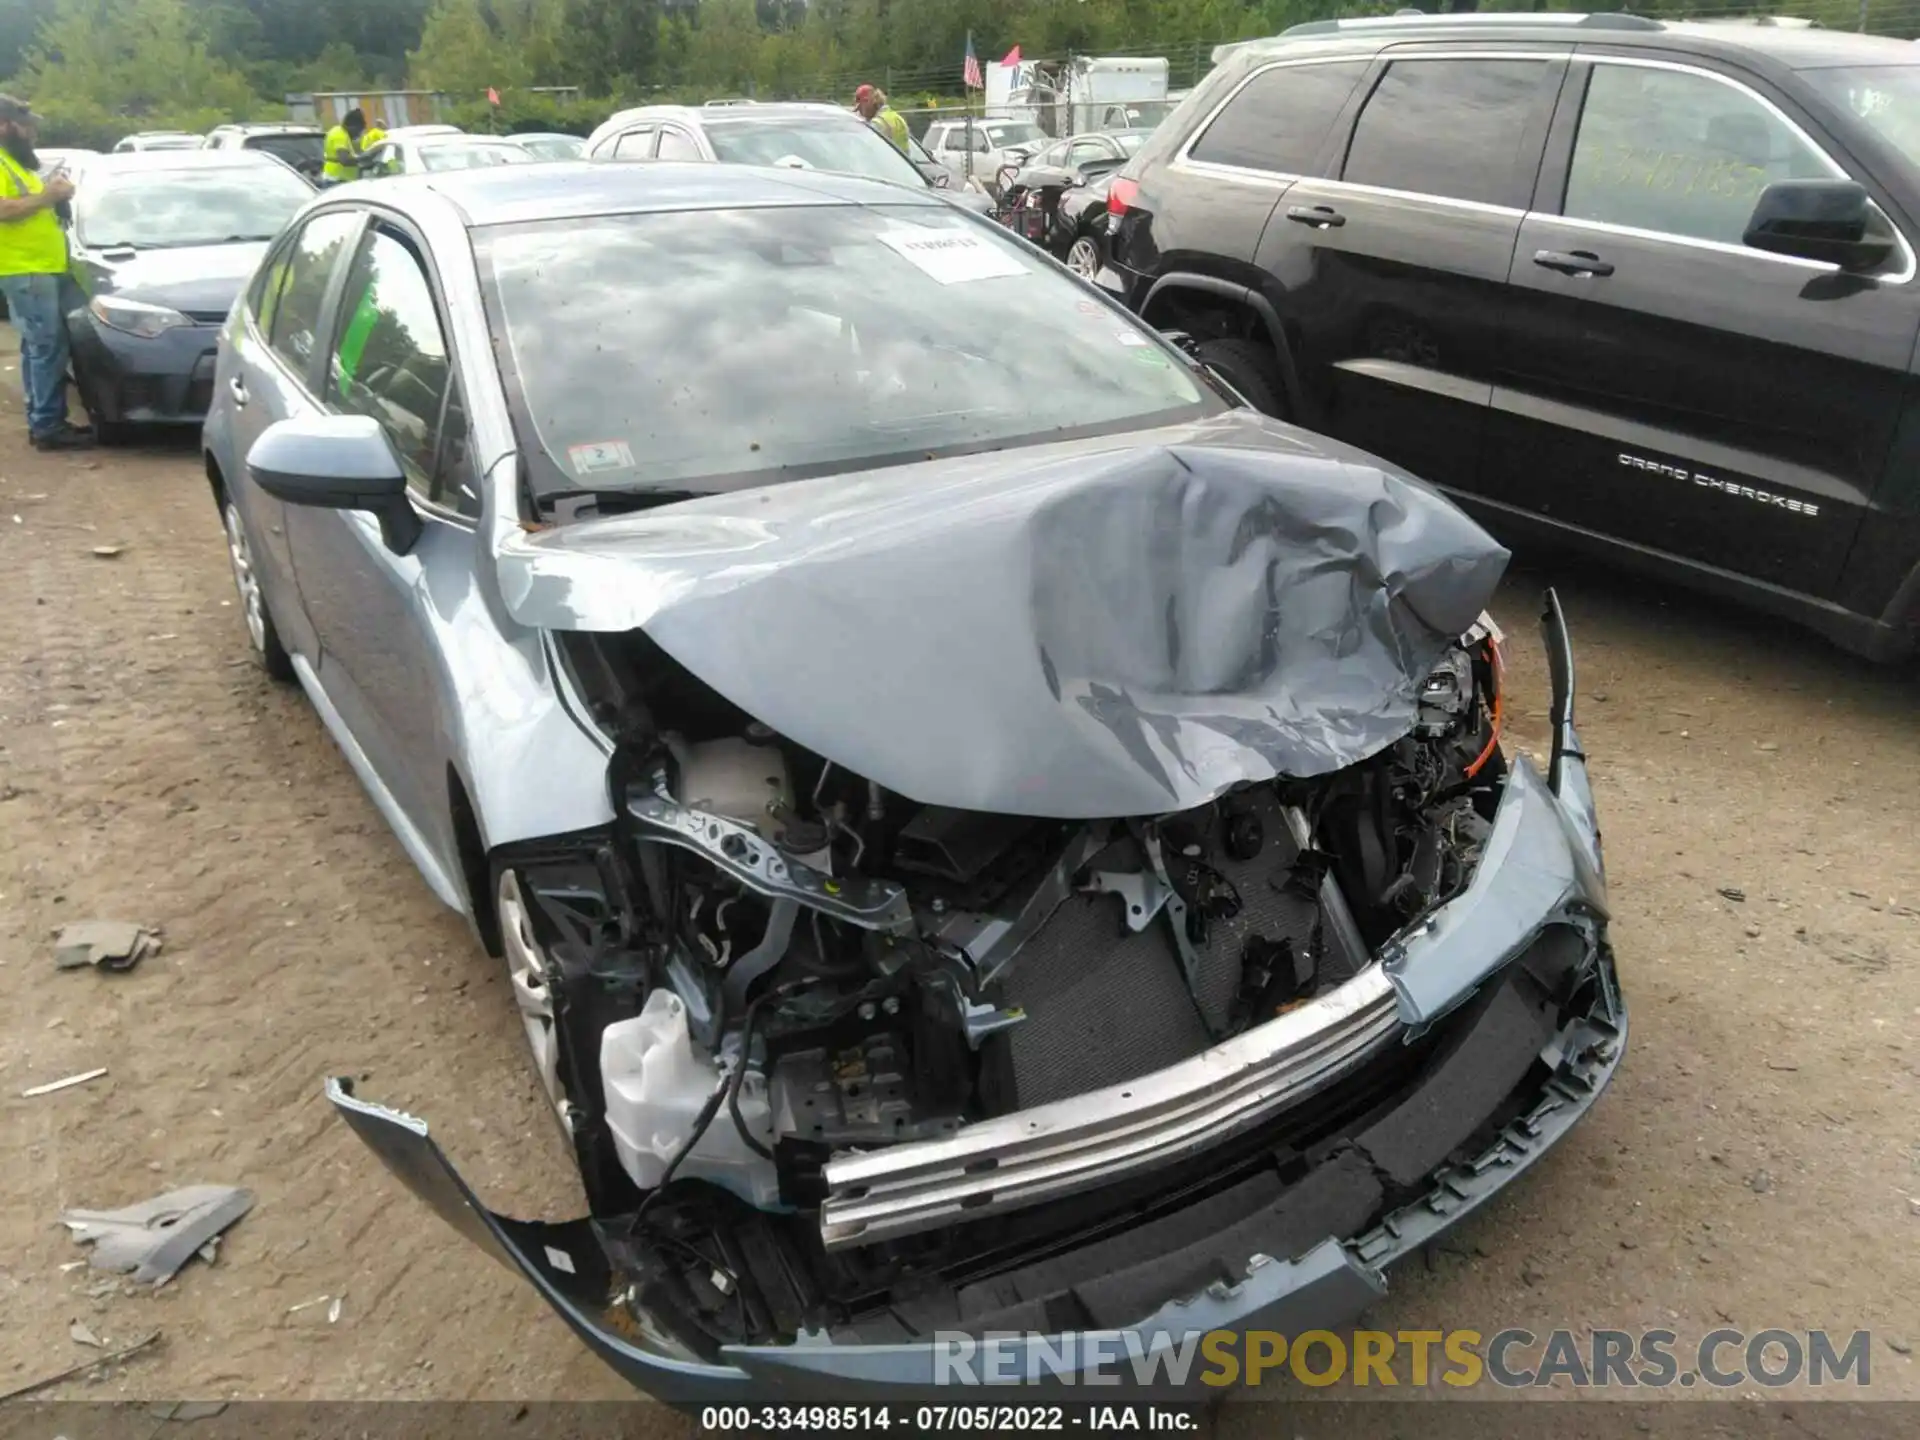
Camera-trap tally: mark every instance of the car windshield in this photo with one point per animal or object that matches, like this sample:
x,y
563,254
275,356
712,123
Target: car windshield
x,y
1886,97
168,142
846,146
804,340
1024,133
296,149
552,147
1131,140
161,209
469,155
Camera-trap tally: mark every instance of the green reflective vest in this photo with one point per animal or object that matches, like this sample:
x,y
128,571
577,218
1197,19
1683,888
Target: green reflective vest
x,y
34,244
340,155
889,124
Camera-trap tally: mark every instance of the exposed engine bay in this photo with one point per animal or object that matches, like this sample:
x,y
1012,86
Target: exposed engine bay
x,y
775,971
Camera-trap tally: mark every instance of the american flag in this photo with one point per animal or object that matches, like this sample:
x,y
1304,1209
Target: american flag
x,y
970,72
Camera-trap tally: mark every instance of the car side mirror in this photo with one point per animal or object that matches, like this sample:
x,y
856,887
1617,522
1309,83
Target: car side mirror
x,y
1833,221
337,462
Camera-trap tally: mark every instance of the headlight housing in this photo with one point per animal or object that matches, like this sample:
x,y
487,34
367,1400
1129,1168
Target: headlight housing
x,y
135,317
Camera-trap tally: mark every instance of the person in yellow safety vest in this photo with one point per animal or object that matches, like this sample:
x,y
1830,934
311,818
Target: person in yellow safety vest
x,y
35,279
870,104
342,149
376,135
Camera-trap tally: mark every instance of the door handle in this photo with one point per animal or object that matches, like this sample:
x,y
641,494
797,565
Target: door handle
x,y
1320,217
1572,262
238,388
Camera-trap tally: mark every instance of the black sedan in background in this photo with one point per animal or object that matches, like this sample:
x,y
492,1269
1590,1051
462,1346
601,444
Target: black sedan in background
x,y
161,244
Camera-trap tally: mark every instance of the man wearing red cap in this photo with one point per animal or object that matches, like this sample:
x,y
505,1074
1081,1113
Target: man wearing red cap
x,y
870,104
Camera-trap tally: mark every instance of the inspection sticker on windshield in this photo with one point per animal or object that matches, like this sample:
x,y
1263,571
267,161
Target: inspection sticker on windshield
x,y
599,456
952,256
1130,337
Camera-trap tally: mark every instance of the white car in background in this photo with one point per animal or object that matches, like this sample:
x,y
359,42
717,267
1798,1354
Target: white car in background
x,y
995,145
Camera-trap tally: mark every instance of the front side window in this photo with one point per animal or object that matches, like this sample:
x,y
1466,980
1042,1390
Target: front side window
x,y
1449,128
1680,153
1278,119
294,304
634,145
805,340
390,361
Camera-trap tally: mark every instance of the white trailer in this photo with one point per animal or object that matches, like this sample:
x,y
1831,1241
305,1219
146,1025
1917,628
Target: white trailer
x,y
1082,93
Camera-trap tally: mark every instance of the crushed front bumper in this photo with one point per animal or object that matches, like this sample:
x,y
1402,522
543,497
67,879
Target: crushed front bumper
x,y
1517,1065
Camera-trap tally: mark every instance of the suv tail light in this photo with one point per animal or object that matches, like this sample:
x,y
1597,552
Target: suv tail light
x,y
1121,194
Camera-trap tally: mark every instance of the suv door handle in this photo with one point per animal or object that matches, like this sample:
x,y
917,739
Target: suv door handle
x,y
239,389
1321,217
1572,262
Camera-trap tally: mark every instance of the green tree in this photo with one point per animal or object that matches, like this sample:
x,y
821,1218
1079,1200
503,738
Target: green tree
x,y
461,54
140,60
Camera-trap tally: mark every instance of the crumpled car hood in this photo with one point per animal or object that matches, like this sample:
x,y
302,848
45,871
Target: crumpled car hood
x,y
1124,626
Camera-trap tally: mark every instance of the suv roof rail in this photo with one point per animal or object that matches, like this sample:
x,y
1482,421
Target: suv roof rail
x,y
1414,19
724,104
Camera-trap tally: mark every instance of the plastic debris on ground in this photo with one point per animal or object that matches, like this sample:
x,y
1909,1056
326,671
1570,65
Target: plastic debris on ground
x,y
156,1237
106,944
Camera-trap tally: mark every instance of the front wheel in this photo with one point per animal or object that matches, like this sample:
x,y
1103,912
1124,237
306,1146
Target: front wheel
x,y
267,648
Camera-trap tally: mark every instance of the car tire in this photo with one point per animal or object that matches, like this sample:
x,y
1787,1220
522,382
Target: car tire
x,y
1249,367
267,649
1083,256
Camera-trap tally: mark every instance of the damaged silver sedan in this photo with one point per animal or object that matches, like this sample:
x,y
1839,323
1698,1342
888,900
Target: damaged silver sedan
x,y
986,834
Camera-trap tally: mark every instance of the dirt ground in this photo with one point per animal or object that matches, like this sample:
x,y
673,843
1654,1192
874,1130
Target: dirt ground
x,y
1756,1164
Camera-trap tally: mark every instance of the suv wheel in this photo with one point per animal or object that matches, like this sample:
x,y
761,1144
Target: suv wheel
x,y
1083,257
1249,368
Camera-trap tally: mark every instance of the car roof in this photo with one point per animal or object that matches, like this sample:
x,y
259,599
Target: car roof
x,y
270,127
574,189
1785,46
153,162
732,112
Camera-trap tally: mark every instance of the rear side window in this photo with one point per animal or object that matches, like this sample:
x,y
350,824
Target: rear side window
x,y
634,145
677,145
1451,128
1278,119
290,311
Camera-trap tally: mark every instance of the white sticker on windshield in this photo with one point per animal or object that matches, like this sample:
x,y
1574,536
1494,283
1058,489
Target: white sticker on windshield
x,y
599,456
952,256
1130,337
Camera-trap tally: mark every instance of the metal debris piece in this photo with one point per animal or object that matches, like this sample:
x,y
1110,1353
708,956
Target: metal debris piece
x,y
92,1362
156,1237
210,1251
109,944
62,1084
308,1304
83,1336
107,552
333,1310
1733,893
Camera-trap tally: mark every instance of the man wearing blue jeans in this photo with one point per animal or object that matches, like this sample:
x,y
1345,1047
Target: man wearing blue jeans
x,y
35,280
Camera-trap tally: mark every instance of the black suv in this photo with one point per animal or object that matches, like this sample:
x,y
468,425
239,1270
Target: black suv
x,y
1648,287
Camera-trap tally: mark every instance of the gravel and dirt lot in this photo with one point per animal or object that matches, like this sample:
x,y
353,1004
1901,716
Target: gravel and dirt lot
x,y
1756,1164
